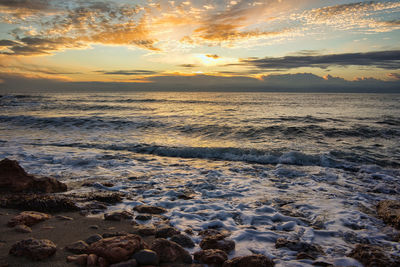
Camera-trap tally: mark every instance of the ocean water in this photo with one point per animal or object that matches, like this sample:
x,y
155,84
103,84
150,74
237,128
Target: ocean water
x,y
261,165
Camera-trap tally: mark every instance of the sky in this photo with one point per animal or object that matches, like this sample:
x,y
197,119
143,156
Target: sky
x,y
217,45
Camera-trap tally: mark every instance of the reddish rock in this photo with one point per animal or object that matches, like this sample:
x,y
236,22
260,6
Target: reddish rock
x,y
169,251
28,218
118,248
78,247
211,256
389,211
217,242
372,256
149,209
91,260
35,249
78,259
251,260
21,228
15,179
145,230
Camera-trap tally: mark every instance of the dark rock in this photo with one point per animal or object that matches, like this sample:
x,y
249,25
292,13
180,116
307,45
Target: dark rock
x,y
91,260
38,202
95,227
95,206
105,197
165,231
322,263
28,218
217,242
145,230
93,238
102,262
118,248
304,256
372,256
389,211
129,263
78,259
183,240
35,249
108,184
146,257
78,247
212,232
143,217
118,216
21,228
310,249
211,256
251,260
13,178
107,235
149,209
169,251
189,231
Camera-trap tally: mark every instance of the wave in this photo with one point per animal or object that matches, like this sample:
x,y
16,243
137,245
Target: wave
x,y
334,159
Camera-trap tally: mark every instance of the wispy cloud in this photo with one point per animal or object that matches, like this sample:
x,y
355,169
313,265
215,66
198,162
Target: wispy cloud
x,y
128,72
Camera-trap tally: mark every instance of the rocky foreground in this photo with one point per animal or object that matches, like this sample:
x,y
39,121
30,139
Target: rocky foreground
x,y
41,228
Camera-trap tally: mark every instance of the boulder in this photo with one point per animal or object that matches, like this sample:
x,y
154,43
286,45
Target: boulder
x,y
217,241
389,211
370,256
118,248
93,238
13,178
21,228
145,230
78,259
28,218
118,216
91,260
143,217
164,231
78,247
183,240
149,209
35,249
299,246
251,260
211,256
169,251
146,257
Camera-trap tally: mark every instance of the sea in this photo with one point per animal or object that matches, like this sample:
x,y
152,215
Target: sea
x,y
302,166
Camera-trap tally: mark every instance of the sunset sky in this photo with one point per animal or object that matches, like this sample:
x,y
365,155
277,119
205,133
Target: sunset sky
x,y
199,44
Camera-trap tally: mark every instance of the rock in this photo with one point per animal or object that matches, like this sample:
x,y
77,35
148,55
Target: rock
x,y
91,260
322,263
118,216
164,231
211,256
106,197
118,248
64,218
21,228
370,256
35,249
28,218
102,262
13,178
145,230
38,202
129,263
217,242
211,232
107,235
95,227
189,231
251,260
304,256
93,238
146,257
78,259
183,240
310,249
78,247
149,209
169,251
389,211
143,217
95,207
108,184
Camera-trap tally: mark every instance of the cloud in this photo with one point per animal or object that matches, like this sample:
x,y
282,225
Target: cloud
x,y
395,76
380,59
127,72
213,56
189,65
